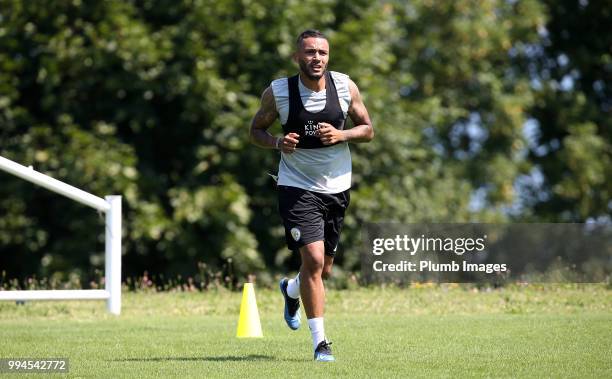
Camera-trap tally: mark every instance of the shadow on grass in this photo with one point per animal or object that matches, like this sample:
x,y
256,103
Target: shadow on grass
x,y
227,358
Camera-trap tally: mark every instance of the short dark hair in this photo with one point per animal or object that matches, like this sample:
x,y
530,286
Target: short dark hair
x,y
309,33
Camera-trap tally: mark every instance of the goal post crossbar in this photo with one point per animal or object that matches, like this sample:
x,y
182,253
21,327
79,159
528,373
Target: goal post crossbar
x,y
111,205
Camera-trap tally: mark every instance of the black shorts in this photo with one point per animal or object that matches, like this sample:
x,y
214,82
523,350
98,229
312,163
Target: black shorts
x,y
311,216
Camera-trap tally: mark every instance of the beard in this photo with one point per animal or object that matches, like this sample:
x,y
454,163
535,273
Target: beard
x,y
309,74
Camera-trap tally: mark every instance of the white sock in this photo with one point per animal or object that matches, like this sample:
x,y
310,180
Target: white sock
x,y
317,330
293,287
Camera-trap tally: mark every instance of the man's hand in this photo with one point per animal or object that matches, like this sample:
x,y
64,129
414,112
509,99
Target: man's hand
x,y
288,143
330,135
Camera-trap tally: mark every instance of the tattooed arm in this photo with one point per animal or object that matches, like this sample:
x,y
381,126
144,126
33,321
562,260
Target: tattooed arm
x,y
264,118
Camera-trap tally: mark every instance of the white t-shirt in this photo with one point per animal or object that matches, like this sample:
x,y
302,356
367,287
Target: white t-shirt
x,y
323,170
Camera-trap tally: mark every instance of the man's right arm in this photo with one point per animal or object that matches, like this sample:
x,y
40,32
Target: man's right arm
x,y
264,118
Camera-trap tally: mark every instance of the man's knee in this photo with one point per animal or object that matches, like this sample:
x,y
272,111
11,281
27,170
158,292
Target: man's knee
x,y
312,260
313,267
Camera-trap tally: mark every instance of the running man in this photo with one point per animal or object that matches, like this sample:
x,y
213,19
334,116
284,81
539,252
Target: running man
x,y
314,175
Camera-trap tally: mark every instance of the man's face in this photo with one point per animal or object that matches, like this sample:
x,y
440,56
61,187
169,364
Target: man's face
x,y
312,57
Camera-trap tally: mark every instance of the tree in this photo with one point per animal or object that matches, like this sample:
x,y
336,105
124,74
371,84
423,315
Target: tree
x,y
153,100
572,145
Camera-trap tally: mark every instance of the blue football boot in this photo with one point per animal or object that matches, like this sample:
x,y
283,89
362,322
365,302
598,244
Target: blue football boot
x,y
292,306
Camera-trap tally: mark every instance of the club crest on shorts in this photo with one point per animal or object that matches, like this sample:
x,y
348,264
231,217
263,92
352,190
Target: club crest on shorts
x,y
296,234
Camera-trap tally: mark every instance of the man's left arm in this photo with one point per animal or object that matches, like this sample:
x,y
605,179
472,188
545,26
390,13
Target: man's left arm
x,y
361,132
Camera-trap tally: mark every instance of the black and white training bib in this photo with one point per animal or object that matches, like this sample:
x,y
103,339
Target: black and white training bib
x,y
314,166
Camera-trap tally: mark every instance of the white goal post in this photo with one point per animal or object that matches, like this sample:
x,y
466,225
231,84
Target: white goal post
x,y
111,205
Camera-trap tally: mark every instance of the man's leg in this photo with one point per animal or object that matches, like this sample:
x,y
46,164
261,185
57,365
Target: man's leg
x,y
313,296
291,289
311,281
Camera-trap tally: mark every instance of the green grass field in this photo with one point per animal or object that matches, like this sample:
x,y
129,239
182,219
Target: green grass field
x,y
433,331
